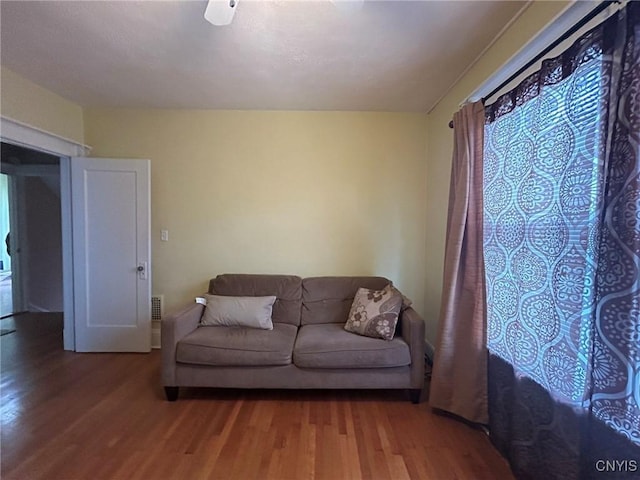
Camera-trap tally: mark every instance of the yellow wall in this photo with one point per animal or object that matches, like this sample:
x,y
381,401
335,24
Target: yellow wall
x,y
307,193
440,146
23,100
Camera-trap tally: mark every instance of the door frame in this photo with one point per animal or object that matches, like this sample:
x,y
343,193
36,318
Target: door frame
x,y
24,135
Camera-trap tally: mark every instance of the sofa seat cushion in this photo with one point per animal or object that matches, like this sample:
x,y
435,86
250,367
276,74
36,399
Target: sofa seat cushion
x,y
328,345
238,346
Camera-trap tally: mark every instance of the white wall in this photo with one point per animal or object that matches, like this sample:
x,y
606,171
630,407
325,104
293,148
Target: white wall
x,y
42,245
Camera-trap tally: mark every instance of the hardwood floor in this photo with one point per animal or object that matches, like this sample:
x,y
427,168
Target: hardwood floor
x,y
93,416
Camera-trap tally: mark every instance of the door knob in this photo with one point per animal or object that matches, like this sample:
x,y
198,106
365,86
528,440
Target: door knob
x,y
142,270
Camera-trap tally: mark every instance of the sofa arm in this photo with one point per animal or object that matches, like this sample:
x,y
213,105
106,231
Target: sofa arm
x,y
412,330
173,328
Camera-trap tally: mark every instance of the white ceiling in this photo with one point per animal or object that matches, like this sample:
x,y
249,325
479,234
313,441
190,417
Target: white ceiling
x,y
282,55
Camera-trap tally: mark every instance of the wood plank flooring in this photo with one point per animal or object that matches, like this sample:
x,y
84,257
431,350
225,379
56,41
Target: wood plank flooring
x,y
103,416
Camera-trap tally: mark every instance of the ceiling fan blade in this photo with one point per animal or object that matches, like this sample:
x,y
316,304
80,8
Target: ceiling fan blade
x,y
220,12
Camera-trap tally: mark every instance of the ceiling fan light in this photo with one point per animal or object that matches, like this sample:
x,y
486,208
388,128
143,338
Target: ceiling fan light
x,y
220,12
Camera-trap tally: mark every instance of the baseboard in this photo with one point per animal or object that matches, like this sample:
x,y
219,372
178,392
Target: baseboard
x,y
155,334
37,309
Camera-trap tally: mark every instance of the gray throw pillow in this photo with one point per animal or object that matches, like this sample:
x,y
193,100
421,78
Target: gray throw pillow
x,y
374,313
252,312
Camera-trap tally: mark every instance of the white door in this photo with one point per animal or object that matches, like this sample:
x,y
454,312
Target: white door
x,y
111,254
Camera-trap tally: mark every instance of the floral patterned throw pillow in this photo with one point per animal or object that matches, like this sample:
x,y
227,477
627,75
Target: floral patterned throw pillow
x,y
374,313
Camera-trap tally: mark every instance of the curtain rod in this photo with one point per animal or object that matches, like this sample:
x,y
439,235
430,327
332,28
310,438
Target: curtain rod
x,y
581,23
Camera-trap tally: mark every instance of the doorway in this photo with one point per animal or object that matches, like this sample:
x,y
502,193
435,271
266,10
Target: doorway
x,y
81,273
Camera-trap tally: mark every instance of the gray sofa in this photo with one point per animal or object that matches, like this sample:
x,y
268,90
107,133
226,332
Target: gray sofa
x,y
308,347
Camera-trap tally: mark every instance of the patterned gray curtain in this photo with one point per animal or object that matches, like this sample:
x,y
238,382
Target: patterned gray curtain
x,y
562,260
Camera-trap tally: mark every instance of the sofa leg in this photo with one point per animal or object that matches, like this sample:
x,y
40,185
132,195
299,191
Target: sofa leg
x,y
414,395
171,393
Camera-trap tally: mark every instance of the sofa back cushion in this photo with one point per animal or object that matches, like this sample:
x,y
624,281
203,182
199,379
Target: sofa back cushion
x,y
329,299
286,288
